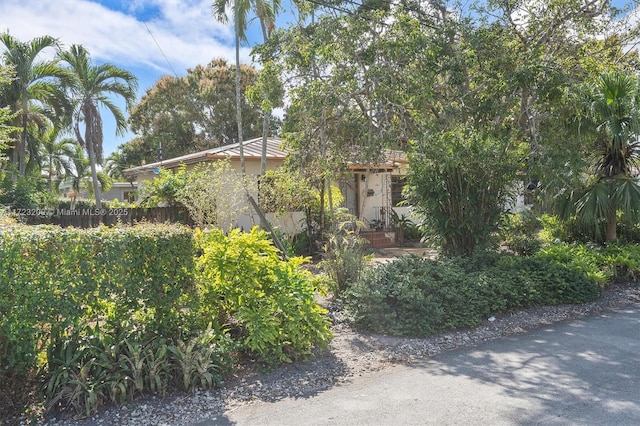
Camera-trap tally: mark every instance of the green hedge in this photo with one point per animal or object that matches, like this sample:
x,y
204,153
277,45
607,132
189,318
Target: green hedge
x,y
55,279
109,314
415,296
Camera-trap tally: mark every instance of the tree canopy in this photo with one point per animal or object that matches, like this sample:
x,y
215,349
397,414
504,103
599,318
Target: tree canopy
x,y
406,76
187,114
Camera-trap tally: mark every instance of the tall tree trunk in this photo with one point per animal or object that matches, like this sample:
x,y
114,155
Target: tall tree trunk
x,y
238,99
15,158
263,156
610,232
22,147
265,115
322,211
97,190
265,134
88,140
50,174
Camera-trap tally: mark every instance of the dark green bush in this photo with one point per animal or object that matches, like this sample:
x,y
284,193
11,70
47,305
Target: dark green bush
x,y
22,194
519,233
541,282
414,296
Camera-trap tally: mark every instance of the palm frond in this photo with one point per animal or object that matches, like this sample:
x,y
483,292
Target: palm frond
x,y
627,196
594,203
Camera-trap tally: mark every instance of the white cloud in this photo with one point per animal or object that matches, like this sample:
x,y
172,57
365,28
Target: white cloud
x,y
185,31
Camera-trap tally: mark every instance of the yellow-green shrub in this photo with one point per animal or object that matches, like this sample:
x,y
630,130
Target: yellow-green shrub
x,y
269,302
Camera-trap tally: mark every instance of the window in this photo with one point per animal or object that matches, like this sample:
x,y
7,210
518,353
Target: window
x,y
129,196
397,185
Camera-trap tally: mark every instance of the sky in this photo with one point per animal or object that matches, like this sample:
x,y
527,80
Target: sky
x,y
149,38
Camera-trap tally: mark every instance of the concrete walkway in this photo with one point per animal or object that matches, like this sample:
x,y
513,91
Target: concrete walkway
x,y
580,372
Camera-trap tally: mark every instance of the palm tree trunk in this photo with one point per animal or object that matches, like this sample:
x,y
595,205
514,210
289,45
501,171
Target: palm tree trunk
x,y
50,174
610,232
22,149
238,99
265,116
94,177
88,140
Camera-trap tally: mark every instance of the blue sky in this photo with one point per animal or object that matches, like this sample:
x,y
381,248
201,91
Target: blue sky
x,y
120,32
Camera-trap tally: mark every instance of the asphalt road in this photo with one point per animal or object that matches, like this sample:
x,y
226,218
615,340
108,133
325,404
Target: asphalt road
x,y
579,372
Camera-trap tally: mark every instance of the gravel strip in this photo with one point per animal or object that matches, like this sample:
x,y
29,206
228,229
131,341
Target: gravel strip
x,y
351,354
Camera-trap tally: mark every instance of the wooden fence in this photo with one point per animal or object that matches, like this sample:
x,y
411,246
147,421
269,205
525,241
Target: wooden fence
x,y
88,218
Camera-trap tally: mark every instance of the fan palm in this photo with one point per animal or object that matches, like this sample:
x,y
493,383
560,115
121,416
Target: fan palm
x,y
91,87
35,82
266,11
610,111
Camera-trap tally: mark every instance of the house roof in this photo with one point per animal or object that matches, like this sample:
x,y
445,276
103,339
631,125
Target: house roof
x,y
252,150
392,159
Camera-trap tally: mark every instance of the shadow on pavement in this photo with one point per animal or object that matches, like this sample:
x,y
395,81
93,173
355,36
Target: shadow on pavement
x,y
575,372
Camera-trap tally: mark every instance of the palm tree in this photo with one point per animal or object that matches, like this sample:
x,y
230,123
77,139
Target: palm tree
x,y
91,87
266,11
34,81
81,176
116,163
609,110
56,155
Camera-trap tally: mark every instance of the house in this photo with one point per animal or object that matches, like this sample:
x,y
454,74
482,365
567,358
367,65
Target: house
x,y
252,150
370,192
121,191
373,191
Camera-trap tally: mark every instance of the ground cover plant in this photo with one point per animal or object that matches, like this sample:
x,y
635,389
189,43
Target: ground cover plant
x,y
418,297
108,314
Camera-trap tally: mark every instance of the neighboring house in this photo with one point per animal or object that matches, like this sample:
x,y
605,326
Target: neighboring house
x,y
370,193
122,191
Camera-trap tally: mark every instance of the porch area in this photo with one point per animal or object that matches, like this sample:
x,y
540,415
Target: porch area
x,y
379,239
